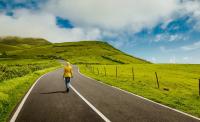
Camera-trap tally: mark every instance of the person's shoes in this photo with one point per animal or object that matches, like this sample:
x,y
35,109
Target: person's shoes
x,y
67,89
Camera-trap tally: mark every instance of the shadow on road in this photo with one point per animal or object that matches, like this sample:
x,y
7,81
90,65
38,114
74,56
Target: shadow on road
x,y
54,92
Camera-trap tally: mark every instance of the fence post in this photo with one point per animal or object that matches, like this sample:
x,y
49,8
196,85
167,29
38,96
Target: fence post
x,y
90,68
98,70
133,73
199,87
105,70
116,71
157,80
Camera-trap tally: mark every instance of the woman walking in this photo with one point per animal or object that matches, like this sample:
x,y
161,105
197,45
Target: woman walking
x,y
67,75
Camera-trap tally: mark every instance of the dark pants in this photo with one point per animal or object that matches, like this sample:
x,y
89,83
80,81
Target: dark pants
x,y
67,82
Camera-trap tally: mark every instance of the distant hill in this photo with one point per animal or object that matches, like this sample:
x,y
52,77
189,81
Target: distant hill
x,y
5,47
93,52
16,41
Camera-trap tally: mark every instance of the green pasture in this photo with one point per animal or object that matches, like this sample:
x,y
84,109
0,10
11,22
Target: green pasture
x,y
16,77
16,68
178,82
23,60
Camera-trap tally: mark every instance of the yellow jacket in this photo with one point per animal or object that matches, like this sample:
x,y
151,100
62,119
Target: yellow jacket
x,y
67,71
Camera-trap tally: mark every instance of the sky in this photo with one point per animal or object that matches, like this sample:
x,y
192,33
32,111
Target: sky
x,y
160,31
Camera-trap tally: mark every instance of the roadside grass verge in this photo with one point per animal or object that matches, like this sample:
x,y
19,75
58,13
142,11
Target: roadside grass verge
x,y
19,67
178,82
13,90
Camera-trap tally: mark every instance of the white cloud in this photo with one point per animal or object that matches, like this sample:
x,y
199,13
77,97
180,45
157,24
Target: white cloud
x,y
190,47
178,37
172,59
122,42
174,37
26,23
158,38
169,37
93,19
192,7
153,59
186,58
132,15
162,48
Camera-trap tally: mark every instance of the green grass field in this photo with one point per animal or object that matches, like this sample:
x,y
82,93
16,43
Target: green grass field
x,y
180,80
16,77
23,60
17,68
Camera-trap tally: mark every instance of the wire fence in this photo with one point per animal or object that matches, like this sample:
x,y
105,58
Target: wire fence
x,y
166,80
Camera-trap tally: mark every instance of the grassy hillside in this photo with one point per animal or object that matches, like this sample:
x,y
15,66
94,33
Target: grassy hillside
x,y
16,41
178,83
94,52
5,47
23,60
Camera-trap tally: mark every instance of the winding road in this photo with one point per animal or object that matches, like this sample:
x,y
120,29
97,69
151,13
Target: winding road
x,y
89,101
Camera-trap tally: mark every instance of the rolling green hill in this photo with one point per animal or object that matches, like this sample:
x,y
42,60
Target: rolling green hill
x,y
5,47
94,52
178,83
16,41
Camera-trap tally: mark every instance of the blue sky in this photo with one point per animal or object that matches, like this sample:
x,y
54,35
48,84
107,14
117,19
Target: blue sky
x,y
158,31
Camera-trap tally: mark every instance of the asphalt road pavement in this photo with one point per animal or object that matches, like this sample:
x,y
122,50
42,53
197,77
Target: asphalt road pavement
x,y
49,102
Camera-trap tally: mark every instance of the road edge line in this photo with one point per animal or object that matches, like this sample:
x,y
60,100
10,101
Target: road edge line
x,y
17,111
189,115
91,106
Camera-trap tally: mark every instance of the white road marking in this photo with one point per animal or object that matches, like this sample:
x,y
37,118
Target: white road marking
x,y
95,109
143,98
14,117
